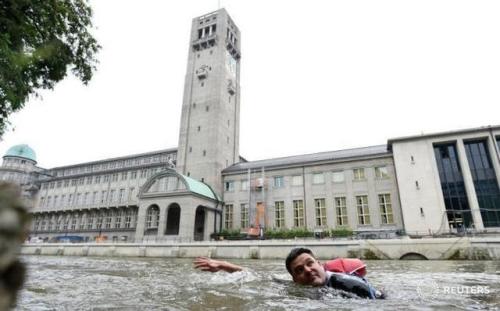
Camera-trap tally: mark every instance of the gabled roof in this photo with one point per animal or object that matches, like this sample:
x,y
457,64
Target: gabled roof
x,y
311,159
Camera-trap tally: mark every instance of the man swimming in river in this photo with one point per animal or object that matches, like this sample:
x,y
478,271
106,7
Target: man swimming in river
x,y
305,269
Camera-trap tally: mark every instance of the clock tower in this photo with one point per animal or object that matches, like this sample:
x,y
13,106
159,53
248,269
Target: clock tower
x,y
210,119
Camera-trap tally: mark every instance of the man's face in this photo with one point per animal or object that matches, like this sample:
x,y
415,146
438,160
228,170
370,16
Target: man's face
x,y
306,270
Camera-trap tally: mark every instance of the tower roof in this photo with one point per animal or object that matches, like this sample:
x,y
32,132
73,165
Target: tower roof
x,y
21,151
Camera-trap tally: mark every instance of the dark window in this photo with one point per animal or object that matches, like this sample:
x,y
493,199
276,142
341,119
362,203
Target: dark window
x,y
173,220
207,108
452,185
485,181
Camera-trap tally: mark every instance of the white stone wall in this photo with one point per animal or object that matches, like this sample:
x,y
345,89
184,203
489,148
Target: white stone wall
x,y
427,195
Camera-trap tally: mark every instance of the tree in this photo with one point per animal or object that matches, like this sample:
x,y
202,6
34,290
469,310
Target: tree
x,y
40,41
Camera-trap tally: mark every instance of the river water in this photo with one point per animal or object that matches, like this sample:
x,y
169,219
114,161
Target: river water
x,y
96,283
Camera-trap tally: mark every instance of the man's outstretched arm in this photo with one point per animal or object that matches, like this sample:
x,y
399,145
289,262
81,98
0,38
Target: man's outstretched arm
x,y
212,265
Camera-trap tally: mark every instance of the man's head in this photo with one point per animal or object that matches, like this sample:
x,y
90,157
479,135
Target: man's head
x,y
304,268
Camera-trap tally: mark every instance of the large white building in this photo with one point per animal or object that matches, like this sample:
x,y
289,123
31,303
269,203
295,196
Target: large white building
x,y
427,184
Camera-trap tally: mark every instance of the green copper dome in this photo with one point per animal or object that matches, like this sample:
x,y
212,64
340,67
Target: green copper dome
x,y
22,151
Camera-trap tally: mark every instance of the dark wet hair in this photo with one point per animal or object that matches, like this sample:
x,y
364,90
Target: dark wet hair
x,y
294,253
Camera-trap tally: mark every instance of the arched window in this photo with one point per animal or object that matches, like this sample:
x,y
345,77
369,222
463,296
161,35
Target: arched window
x,y
152,217
173,219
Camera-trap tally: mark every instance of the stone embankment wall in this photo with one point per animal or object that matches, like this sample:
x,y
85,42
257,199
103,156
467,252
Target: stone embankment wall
x,y
483,248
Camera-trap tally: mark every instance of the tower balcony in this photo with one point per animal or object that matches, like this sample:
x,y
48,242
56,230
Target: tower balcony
x,y
205,42
232,49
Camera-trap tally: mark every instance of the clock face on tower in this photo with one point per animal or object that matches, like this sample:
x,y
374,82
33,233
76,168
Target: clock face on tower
x,y
230,65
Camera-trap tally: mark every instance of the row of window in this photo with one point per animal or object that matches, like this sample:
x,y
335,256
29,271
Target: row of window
x,y
14,177
207,31
98,179
89,198
113,165
207,18
15,161
318,178
340,205
87,221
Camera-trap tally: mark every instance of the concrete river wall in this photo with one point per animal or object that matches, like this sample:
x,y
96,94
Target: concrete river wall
x,y
472,248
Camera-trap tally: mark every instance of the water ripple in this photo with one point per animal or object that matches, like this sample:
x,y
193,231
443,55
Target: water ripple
x,y
93,283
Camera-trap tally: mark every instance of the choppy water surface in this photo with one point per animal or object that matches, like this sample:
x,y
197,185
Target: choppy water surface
x,y
86,283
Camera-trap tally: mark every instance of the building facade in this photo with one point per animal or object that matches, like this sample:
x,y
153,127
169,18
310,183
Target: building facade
x,y
354,189
449,180
421,185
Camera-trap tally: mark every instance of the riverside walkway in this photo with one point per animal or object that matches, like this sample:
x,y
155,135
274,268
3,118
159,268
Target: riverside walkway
x,y
469,248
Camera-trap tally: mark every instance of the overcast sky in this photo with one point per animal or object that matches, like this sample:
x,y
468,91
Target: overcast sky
x,y
315,76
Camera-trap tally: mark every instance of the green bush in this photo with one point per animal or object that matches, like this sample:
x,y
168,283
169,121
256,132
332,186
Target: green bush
x,y
287,233
340,232
229,233
235,234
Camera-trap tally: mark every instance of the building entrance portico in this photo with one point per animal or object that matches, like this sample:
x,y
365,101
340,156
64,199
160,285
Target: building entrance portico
x,y
174,207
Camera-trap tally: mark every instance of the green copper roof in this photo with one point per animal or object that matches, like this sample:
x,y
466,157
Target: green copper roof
x,y
199,188
22,151
188,184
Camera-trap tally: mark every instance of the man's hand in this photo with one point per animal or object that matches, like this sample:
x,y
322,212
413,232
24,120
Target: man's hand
x,y
212,265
